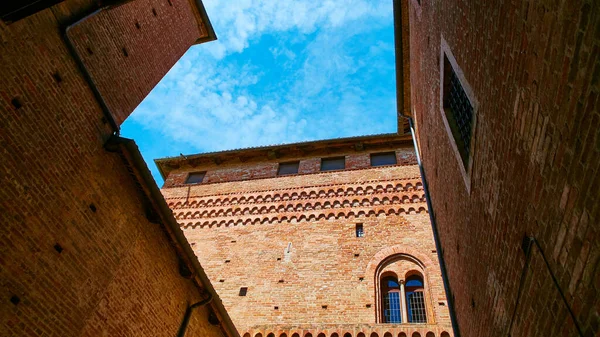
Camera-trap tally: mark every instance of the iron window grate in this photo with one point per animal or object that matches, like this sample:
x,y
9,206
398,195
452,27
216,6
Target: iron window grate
x,y
392,311
416,304
459,112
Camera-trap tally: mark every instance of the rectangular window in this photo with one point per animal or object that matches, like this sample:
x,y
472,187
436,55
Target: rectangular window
x,y
416,307
382,159
195,177
331,164
459,111
360,232
288,168
243,291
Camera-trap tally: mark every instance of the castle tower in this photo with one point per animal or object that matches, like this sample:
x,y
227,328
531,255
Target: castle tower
x,y
327,238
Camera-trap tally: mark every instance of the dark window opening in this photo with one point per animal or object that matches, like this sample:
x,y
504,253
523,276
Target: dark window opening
x,y
288,168
154,11
276,308
381,159
243,291
125,53
331,164
458,110
93,208
195,177
360,231
137,25
16,103
58,248
15,299
56,76
89,50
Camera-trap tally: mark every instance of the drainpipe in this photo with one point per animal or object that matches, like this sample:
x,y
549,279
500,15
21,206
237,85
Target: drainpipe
x,y
90,81
188,314
436,236
172,228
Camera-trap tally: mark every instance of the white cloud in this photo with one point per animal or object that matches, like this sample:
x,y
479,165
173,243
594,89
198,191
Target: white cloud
x,y
237,22
208,102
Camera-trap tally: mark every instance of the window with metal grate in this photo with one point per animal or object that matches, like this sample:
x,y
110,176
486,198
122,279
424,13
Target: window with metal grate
x,y
415,301
459,111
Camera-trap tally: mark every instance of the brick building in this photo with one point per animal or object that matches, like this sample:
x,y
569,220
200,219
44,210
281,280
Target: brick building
x,y
323,238
88,245
504,97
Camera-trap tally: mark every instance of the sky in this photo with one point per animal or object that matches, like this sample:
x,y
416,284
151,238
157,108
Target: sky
x,y
281,71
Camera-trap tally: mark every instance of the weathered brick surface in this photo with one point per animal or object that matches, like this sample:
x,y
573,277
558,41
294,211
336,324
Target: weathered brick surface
x,y
291,241
69,268
534,69
125,61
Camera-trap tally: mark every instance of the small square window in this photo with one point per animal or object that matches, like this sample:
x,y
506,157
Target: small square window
x,y
382,159
243,291
288,168
195,177
331,164
360,232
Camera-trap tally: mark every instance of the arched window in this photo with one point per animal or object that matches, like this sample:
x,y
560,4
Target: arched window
x,y
390,291
415,299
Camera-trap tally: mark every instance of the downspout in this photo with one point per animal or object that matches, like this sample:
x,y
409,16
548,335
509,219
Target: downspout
x,y
436,236
173,228
188,314
400,43
90,81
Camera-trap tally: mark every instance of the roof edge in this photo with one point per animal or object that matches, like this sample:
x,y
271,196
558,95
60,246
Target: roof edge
x,y
161,163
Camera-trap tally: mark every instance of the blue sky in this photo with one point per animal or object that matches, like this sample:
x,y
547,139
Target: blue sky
x,y
281,71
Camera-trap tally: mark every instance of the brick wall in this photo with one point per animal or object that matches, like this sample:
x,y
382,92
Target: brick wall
x,y
78,256
241,232
533,69
237,170
128,49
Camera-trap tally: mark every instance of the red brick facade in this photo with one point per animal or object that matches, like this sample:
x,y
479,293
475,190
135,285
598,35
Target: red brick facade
x,y
291,240
80,255
533,70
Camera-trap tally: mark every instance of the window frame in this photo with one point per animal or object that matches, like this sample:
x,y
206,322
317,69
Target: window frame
x,y
190,174
297,163
393,153
447,55
343,158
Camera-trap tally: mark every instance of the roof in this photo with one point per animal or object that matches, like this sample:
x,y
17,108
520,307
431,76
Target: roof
x,y
270,152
